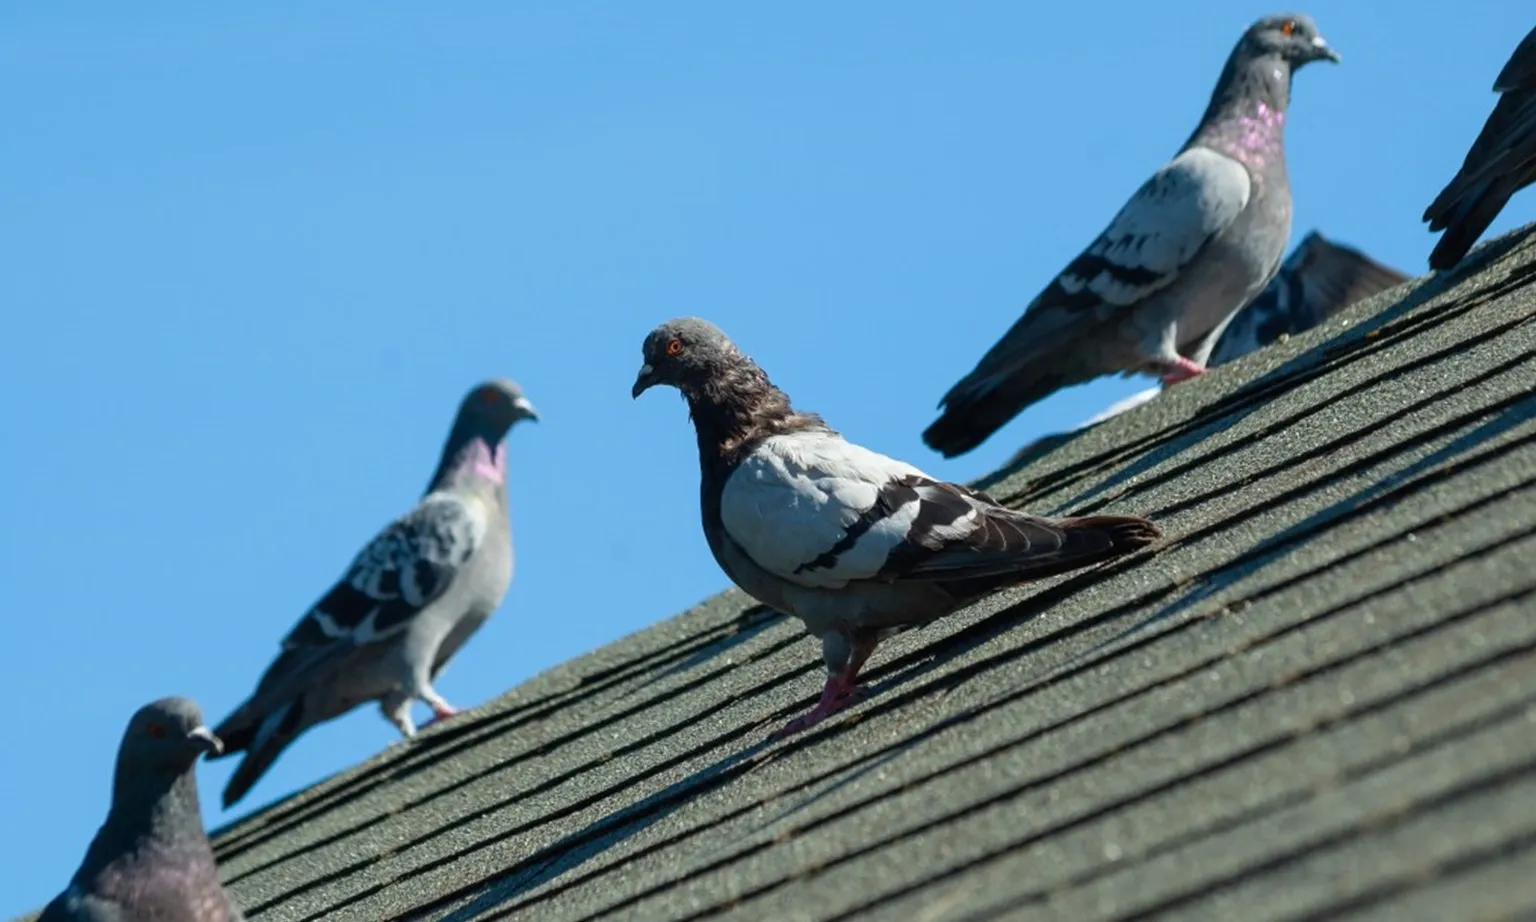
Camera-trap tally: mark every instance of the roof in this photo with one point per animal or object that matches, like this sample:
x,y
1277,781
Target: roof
x,y
1316,698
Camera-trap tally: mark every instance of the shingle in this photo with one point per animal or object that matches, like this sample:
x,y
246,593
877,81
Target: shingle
x,y
1317,699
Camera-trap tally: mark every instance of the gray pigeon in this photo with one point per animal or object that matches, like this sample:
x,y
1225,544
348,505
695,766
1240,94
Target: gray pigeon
x,y
1502,161
1195,243
851,542
406,604
1319,279
151,861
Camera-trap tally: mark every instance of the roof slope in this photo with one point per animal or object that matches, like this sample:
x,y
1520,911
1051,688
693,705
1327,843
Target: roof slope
x,y
1316,699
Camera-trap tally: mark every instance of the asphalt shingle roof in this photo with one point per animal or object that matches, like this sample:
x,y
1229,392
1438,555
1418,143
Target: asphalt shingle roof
x,y
1316,699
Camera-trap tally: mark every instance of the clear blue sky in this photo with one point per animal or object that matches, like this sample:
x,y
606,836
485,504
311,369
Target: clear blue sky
x,y
254,255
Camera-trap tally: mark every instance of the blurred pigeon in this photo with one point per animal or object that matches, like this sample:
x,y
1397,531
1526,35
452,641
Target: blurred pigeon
x,y
1502,161
1319,279
409,600
151,861
851,542
1195,243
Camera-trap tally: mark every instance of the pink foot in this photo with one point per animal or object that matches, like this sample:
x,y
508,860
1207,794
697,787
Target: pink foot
x,y
1183,369
442,711
837,695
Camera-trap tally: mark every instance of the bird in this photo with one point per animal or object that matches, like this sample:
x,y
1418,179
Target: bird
x,y
1502,161
1319,279
855,544
151,860
409,600
1153,292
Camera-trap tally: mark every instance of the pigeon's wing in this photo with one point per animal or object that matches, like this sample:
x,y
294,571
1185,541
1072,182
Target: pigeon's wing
x,y
1161,230
816,510
407,567
403,570
1164,227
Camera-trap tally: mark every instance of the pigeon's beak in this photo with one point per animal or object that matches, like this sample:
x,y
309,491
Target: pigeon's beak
x,y
643,381
525,409
205,741
1321,50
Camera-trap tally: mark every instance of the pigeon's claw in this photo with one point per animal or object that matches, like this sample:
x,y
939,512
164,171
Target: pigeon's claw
x,y
441,710
1182,369
838,694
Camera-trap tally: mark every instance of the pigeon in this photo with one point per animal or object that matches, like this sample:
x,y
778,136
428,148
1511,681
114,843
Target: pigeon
x,y
151,861
407,603
1154,291
1502,161
855,544
1319,279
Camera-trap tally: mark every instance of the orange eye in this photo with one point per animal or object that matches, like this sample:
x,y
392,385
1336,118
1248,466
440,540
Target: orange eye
x,y
675,348
487,395
156,731
1288,27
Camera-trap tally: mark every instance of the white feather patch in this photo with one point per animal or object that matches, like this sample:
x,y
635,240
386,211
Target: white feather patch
x,y
792,500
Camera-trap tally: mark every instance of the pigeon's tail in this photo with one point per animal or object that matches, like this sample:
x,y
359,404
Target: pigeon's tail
x,y
1016,547
1095,539
972,412
1501,162
1464,217
262,741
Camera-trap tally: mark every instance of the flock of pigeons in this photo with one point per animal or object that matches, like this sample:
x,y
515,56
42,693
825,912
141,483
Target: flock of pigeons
x,y
855,544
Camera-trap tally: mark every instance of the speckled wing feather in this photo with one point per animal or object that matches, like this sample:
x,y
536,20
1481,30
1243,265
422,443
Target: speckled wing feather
x,y
404,569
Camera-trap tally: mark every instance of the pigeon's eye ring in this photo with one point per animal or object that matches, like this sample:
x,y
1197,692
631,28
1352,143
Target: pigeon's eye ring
x,y
1288,27
156,731
675,348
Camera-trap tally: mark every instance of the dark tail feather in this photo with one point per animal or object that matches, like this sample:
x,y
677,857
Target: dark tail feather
x,y
1465,222
1084,542
1097,538
261,750
970,419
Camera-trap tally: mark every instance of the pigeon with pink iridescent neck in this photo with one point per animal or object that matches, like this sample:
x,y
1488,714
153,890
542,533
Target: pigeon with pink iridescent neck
x,y
1153,293
407,603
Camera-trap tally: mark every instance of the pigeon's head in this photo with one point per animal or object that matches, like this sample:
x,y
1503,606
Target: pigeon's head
x,y
164,738
1293,37
684,353
494,406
